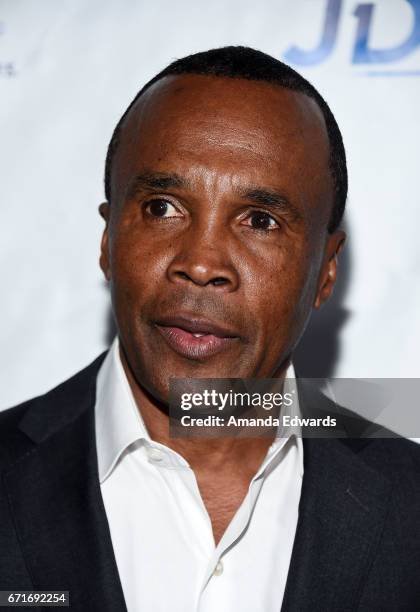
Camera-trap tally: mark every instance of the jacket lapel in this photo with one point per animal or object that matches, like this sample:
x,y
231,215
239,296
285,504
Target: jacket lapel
x,y
56,502
341,516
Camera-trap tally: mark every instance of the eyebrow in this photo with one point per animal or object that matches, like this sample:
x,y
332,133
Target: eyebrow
x,y
271,198
155,181
161,181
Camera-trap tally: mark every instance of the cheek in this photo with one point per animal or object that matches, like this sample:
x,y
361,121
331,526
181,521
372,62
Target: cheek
x,y
136,267
282,295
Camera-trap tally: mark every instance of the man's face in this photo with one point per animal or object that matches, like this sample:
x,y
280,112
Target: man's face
x,y
216,243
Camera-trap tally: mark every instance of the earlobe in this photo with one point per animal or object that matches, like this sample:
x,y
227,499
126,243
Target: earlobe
x,y
327,283
104,257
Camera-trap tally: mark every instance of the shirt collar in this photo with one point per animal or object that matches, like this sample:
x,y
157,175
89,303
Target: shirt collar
x,y
118,422
279,444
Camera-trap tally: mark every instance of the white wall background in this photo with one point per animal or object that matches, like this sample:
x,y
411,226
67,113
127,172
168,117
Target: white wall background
x,y
67,71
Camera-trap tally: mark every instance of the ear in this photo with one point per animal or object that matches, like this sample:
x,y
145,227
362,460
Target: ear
x,y
104,211
328,274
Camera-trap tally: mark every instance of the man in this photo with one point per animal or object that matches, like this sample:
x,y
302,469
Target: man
x,y
225,184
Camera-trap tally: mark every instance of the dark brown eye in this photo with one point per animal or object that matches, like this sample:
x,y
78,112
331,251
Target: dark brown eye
x,y
161,208
158,208
262,221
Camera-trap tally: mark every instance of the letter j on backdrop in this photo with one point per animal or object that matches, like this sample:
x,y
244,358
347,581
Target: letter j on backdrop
x,y
362,52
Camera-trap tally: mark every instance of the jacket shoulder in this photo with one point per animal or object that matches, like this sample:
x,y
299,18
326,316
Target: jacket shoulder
x,y
398,456
41,412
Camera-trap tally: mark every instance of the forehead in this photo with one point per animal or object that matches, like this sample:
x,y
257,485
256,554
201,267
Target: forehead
x,y
247,130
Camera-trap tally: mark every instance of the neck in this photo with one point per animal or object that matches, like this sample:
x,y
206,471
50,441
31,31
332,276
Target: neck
x,y
246,453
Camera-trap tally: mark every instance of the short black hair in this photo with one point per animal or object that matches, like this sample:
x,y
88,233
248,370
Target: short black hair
x,y
246,63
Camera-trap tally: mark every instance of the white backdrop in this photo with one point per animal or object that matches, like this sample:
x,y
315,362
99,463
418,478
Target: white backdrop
x,y
67,71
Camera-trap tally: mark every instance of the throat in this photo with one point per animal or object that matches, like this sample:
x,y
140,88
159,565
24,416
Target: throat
x,y
224,479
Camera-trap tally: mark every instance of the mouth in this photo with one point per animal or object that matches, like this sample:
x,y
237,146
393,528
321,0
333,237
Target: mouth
x,y
195,338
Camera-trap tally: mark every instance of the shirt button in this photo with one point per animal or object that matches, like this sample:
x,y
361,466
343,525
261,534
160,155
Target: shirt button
x,y
154,454
218,570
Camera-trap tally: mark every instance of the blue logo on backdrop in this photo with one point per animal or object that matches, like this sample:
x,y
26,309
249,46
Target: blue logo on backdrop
x,y
363,53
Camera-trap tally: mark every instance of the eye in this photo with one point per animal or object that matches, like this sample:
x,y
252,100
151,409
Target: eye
x,y
260,220
161,208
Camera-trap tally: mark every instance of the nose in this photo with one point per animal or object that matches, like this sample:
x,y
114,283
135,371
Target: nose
x,y
204,260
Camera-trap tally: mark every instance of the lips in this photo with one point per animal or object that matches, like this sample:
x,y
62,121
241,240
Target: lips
x,y
195,338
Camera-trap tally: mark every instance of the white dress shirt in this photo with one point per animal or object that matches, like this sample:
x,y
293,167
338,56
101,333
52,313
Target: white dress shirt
x,y
160,529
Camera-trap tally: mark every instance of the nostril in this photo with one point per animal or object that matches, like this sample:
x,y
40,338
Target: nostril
x,y
184,276
217,281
